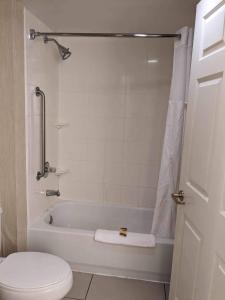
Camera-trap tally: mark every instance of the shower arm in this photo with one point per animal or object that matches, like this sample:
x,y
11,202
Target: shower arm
x,y
45,166
47,39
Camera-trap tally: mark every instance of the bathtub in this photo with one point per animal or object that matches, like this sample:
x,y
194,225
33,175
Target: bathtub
x,y
71,236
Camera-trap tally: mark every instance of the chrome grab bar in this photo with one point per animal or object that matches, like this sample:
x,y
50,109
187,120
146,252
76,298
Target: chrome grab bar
x,y
45,167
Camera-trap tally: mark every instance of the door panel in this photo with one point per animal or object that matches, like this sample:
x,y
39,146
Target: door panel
x,y
215,18
191,246
199,253
218,288
202,135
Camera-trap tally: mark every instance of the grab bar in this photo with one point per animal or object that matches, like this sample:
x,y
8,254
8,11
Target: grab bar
x,y
45,166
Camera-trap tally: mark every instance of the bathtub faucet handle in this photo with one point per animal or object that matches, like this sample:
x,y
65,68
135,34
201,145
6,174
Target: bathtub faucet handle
x,y
49,169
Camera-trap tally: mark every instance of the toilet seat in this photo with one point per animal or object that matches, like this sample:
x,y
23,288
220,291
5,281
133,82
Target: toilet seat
x,y
34,276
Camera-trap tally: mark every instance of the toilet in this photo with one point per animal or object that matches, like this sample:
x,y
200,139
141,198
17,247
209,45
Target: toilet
x,y
34,276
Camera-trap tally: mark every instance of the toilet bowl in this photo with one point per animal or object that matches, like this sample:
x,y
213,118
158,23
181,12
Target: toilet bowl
x,y
34,276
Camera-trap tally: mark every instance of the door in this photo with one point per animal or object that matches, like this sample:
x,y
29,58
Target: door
x,y
199,253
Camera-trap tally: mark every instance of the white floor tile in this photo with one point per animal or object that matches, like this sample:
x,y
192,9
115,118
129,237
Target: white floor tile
x,y
111,288
80,286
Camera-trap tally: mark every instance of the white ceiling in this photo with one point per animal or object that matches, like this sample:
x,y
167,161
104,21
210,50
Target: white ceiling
x,y
114,15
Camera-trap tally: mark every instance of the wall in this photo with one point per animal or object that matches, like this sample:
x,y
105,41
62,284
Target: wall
x,y
12,124
41,70
115,16
115,104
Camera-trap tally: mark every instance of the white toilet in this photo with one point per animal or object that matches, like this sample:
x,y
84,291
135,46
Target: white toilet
x,y
34,276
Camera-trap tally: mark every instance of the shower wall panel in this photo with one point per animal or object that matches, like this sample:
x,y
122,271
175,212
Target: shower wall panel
x,y
113,97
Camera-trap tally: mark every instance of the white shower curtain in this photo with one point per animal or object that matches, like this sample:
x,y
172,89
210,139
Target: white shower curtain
x,y
163,225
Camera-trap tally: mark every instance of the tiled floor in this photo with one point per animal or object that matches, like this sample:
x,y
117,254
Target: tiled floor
x,y
95,287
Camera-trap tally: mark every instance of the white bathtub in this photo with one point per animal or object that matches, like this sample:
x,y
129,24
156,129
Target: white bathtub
x,y
71,236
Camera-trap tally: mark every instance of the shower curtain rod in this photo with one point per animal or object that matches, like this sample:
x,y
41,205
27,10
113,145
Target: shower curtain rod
x,y
34,34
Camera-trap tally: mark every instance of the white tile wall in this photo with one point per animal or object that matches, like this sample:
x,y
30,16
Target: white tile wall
x,y
41,70
115,103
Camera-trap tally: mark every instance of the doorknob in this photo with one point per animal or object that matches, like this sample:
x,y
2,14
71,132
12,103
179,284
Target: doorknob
x,y
178,197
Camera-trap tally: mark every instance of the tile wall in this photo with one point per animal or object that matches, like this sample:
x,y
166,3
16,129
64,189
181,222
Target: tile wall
x,y
42,66
113,97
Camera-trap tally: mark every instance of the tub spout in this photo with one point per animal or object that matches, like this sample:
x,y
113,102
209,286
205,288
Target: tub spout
x,y
50,193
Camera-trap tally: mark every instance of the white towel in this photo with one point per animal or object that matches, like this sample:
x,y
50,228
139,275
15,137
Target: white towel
x,y
132,238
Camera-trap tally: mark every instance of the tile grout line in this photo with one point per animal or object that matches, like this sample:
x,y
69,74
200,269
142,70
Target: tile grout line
x,y
89,286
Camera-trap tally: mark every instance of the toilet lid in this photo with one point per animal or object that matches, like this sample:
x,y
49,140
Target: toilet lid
x,y
32,270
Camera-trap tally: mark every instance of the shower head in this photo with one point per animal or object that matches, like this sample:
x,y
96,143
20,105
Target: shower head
x,y
63,51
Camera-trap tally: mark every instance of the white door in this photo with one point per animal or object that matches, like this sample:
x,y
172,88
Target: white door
x,y
199,255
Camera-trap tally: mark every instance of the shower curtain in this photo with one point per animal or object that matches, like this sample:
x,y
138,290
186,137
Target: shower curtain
x,y
163,225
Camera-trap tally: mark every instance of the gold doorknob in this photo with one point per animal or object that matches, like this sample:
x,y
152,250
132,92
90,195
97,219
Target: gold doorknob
x,y
178,197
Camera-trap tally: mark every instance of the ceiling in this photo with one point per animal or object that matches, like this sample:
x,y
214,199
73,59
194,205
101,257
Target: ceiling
x,y
114,15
